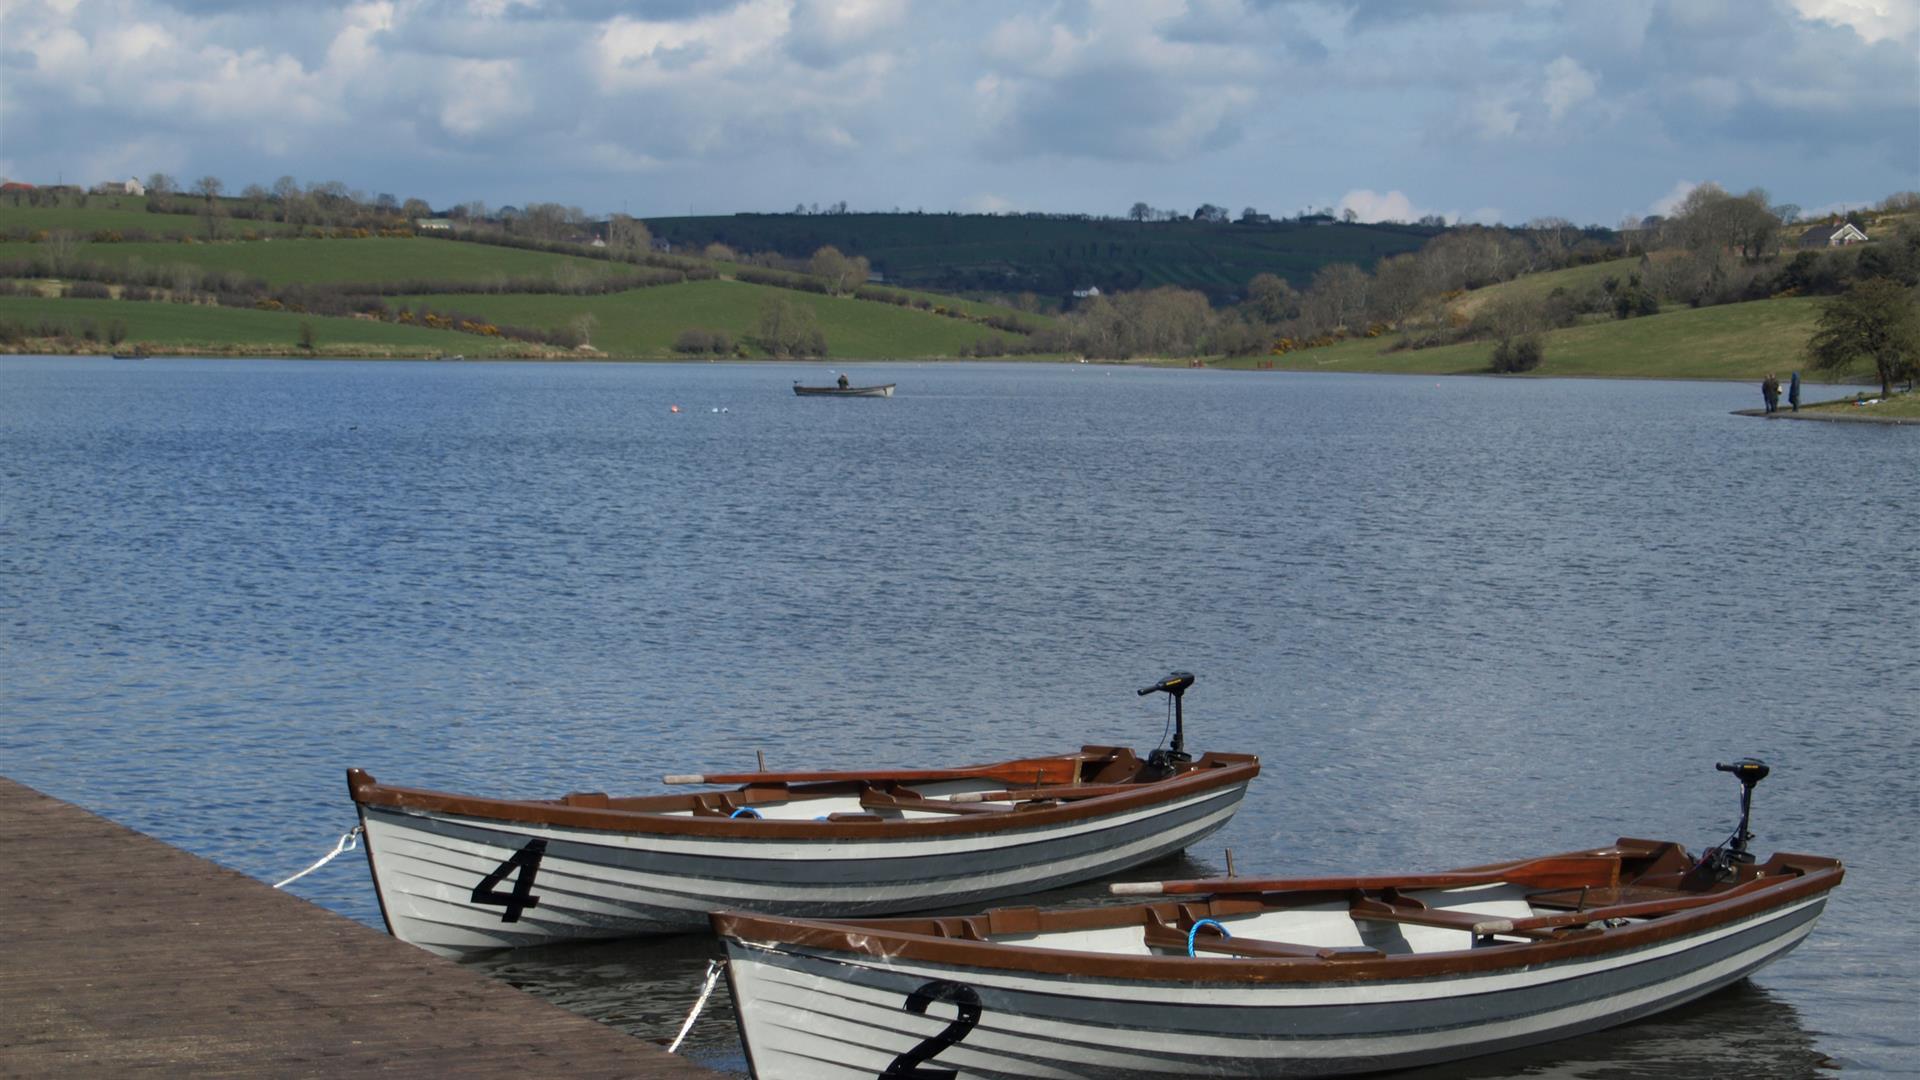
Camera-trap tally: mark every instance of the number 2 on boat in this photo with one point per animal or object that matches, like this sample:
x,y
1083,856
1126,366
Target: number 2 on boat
x,y
906,1066
527,861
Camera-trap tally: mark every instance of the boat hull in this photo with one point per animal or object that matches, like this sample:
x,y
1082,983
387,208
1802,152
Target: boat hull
x,y
849,391
433,869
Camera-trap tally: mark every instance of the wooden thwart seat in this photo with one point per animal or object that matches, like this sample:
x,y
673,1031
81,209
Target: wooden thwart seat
x,y
875,799
1393,908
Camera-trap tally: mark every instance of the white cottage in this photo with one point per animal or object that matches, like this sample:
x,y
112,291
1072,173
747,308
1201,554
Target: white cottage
x,y
1832,236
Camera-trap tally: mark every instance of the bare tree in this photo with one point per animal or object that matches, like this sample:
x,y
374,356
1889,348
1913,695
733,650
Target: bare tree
x,y
161,184
1140,212
211,208
1337,299
1271,299
628,236
839,272
1399,285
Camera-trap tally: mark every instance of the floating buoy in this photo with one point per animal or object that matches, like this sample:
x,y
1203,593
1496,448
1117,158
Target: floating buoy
x,y
673,408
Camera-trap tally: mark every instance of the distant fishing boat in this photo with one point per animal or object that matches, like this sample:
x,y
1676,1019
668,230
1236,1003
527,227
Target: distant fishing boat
x,y
458,874
884,390
1243,977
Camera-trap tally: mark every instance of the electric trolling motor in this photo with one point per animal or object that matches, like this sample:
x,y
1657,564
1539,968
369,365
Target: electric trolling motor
x,y
1163,760
1723,862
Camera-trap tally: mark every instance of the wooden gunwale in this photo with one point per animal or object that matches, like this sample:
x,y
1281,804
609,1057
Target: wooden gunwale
x,y
1785,879
1213,771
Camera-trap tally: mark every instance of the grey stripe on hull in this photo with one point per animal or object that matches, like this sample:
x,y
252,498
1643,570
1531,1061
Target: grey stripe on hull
x,y
429,873
872,861
1030,1034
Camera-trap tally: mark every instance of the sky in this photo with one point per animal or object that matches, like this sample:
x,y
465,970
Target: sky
x,y
1478,110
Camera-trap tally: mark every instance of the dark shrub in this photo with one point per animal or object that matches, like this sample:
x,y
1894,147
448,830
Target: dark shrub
x,y
1521,354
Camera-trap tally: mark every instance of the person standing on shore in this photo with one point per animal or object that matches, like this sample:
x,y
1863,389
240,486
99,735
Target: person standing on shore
x,y
1793,392
1770,392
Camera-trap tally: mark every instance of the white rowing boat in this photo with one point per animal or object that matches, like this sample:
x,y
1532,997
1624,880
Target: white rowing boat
x,y
1255,978
458,874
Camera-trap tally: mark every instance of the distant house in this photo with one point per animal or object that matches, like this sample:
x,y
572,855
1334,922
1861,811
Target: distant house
x,y
1832,236
432,224
15,185
130,186
1256,219
1086,293
662,245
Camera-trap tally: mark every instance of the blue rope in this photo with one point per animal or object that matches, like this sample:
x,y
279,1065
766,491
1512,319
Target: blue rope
x,y
1224,932
745,811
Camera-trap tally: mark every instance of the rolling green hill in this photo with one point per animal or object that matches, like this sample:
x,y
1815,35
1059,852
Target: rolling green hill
x,y
983,253
1733,341
644,322
85,215
372,260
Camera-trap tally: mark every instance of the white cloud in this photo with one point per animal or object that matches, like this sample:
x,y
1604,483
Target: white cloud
x,y
483,95
1370,205
1568,84
1495,118
1666,204
986,203
640,53
1873,20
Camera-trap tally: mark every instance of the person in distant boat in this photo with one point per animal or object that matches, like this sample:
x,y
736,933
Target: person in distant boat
x,y
1793,392
843,380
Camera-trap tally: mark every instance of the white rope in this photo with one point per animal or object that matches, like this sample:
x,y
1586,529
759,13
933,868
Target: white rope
x,y
713,976
348,841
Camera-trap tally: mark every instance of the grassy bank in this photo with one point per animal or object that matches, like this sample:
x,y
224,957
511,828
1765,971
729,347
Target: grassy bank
x,y
1734,341
205,330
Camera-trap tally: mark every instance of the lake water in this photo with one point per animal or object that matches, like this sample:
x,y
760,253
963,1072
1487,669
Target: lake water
x,y
1460,620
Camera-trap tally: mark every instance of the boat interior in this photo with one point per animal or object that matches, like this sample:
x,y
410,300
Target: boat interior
x,y
1556,898
1006,788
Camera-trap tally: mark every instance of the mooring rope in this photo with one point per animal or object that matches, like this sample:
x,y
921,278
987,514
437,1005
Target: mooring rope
x,y
348,841
713,976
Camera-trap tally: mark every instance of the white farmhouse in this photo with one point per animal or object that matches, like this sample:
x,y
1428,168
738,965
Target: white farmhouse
x,y
1832,236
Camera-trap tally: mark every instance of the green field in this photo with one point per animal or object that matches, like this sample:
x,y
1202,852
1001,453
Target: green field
x,y
645,322
1733,341
315,262
202,328
115,212
1051,256
1534,288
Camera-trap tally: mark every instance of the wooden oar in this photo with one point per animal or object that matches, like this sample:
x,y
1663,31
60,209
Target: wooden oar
x,y
1640,909
1029,771
1555,872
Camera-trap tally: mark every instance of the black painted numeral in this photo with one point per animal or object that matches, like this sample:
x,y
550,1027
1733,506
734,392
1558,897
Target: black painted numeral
x,y
907,1065
527,861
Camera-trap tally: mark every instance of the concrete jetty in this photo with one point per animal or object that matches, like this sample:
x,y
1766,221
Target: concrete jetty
x,y
122,954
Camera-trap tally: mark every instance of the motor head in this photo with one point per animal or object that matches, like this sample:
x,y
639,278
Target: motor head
x,y
1175,683
1749,771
